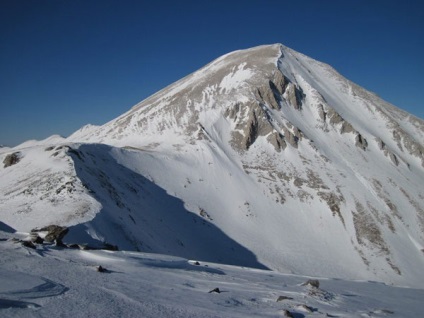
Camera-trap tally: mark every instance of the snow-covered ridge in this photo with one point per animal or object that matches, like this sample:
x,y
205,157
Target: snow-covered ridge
x,y
263,158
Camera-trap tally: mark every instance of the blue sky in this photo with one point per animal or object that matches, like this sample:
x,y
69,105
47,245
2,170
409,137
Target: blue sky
x,y
67,63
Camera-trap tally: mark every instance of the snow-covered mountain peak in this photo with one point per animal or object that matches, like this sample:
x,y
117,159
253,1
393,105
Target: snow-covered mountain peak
x,y
264,157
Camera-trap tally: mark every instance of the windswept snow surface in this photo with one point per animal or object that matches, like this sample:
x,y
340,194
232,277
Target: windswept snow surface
x,y
51,281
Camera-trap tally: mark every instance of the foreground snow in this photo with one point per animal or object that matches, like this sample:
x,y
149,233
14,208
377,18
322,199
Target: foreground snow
x,y
52,281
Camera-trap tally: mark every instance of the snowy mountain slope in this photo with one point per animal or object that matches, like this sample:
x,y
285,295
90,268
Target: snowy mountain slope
x,y
264,157
51,281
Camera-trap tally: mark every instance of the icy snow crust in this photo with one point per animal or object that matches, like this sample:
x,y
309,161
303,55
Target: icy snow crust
x,y
224,167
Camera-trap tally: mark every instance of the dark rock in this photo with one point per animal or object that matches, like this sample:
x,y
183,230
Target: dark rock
x,y
215,290
196,263
37,240
54,233
59,243
311,282
101,269
393,158
361,142
29,244
287,313
12,159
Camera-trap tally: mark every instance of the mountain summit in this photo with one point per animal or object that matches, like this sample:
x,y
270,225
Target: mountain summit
x,y
263,158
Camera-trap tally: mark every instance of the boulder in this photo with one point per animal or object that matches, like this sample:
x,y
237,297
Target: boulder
x,y
312,283
55,233
12,159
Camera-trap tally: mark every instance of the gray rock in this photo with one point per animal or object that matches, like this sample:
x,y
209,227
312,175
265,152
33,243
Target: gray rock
x,y
290,137
12,159
361,142
294,96
277,141
312,283
281,298
55,233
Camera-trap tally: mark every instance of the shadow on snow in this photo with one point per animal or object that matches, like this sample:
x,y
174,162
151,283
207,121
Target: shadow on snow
x,y
139,215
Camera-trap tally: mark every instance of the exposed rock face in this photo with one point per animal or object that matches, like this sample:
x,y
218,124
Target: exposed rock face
x,y
361,142
12,159
294,96
387,152
248,130
277,141
290,137
269,94
406,141
54,233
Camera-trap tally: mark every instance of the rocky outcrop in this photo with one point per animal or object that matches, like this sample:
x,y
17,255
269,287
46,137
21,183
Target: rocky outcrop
x,y
268,94
290,137
361,142
387,152
321,112
294,96
312,283
333,201
405,141
12,159
277,141
252,122
53,233
271,94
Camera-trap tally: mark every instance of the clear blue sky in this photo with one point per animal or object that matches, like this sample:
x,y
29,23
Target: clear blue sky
x,y
67,63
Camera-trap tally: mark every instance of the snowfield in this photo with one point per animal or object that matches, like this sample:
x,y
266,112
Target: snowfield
x,y
52,281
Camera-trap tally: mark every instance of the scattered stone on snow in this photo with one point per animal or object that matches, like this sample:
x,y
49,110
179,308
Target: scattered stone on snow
x,y
287,313
215,290
281,298
101,269
311,282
